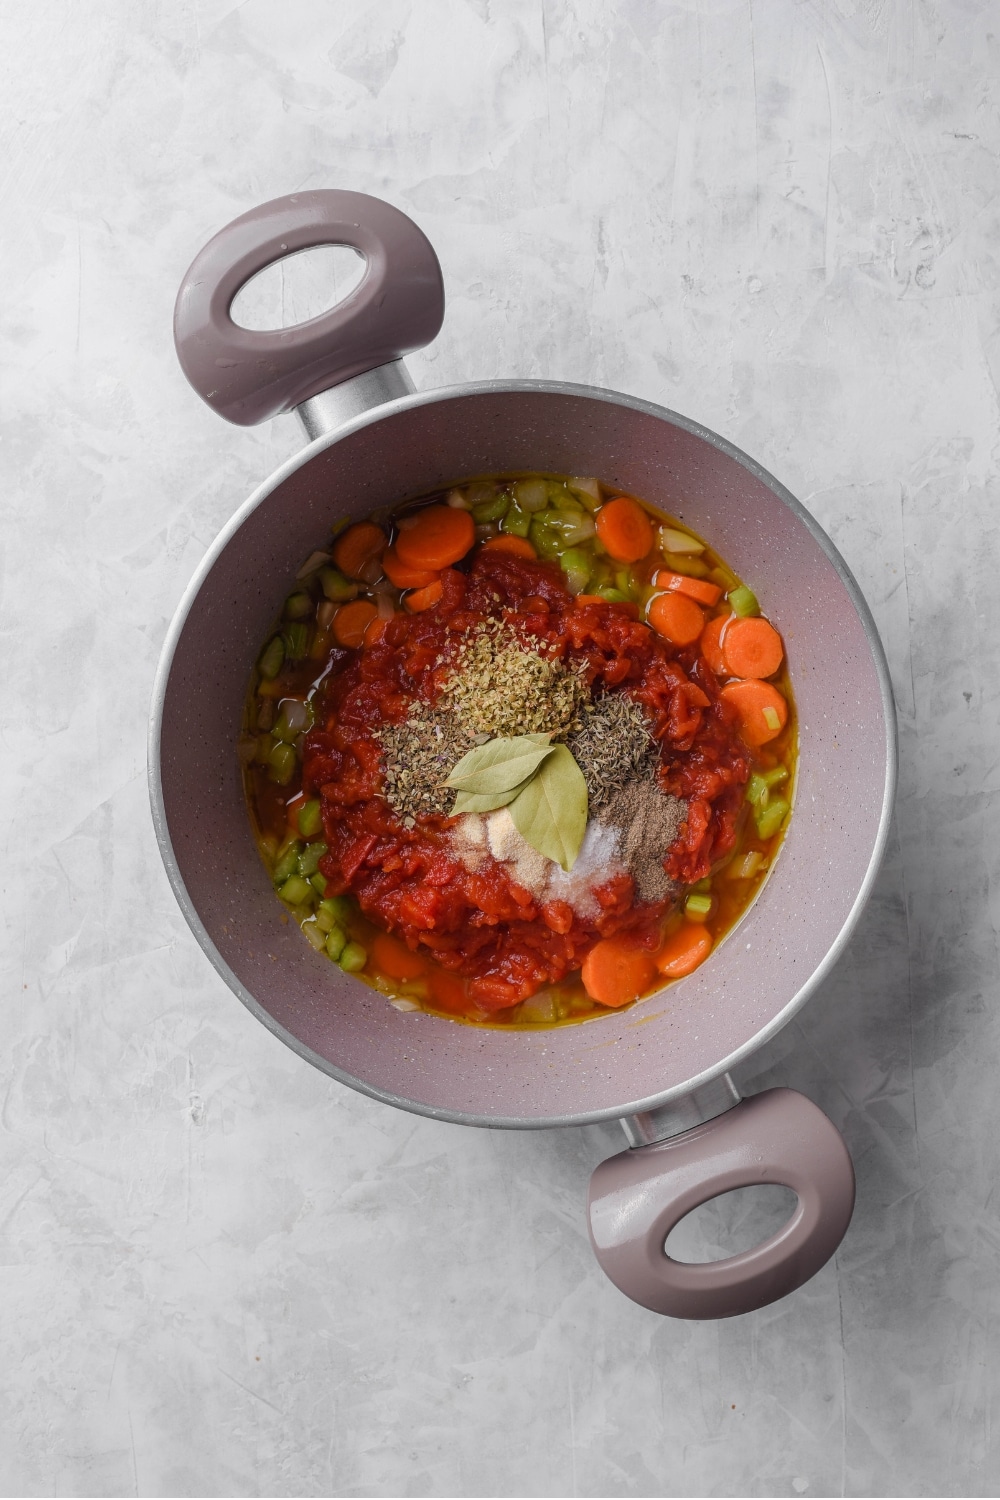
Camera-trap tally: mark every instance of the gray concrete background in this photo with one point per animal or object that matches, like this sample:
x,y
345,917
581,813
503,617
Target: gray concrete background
x,y
222,1273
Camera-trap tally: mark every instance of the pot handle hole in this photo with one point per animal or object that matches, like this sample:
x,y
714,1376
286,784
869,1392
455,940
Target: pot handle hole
x,y
638,1197
250,375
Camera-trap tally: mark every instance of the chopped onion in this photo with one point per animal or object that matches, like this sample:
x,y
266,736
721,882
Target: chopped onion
x,y
679,541
312,563
457,500
296,714
385,603
372,571
325,614
771,718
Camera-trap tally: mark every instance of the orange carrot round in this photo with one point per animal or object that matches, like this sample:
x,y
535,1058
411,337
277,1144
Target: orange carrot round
x,y
711,647
624,529
763,711
695,588
448,992
375,630
355,548
616,972
683,951
395,960
351,622
436,537
752,648
424,598
403,577
518,545
677,618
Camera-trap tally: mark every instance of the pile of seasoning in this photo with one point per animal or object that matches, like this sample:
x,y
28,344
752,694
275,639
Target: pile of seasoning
x,y
613,746
648,821
500,687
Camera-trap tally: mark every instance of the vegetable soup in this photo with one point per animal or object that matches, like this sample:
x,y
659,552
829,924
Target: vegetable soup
x,y
519,751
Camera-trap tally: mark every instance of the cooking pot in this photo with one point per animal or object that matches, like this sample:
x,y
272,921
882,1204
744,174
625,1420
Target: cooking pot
x,y
661,1066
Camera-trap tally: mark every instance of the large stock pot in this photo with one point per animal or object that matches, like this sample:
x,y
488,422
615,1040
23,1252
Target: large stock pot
x,y
662,1066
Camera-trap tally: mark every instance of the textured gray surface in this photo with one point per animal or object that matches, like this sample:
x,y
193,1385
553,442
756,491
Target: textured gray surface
x,y
222,1273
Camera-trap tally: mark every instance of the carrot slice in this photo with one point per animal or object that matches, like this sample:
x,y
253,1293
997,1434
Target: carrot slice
x,y
355,548
375,630
351,622
448,992
752,648
395,960
624,529
436,537
616,972
763,711
518,545
422,599
683,951
403,577
694,588
711,643
676,617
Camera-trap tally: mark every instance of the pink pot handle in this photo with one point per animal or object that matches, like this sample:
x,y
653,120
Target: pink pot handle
x,y
637,1198
248,376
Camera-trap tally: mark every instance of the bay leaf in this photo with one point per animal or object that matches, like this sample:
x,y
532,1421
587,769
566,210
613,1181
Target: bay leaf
x,y
473,802
500,765
551,812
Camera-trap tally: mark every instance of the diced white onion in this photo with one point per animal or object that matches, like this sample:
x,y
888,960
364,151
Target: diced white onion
x,y
314,561
679,541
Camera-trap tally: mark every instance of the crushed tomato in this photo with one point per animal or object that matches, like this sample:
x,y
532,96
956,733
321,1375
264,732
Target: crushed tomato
x,y
480,924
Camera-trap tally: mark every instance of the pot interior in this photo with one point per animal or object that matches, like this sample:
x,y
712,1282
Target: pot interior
x,y
766,966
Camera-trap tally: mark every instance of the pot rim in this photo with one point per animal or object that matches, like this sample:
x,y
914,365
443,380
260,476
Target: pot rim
x,y
542,388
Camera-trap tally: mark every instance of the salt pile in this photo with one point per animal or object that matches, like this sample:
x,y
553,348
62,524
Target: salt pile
x,y
475,837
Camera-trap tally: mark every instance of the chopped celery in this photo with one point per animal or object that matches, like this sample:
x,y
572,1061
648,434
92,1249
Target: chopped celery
x,y
743,601
281,764
625,583
272,658
770,818
543,539
296,891
576,565
336,942
319,881
531,495
613,596
771,718
758,790
288,862
516,522
571,526
310,857
490,510
296,638
339,907
298,607
324,918
310,821
703,885
775,777
697,907
353,958
315,936
336,587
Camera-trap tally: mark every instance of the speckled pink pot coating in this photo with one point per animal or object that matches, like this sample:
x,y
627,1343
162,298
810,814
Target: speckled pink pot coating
x,y
764,970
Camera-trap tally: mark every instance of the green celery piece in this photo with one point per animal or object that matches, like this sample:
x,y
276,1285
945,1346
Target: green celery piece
x,y
298,607
613,596
353,958
281,763
336,587
296,638
288,864
319,882
310,818
516,522
296,891
775,777
758,790
490,510
272,658
543,538
625,583
743,602
310,857
336,942
339,907
575,563
770,819
698,905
